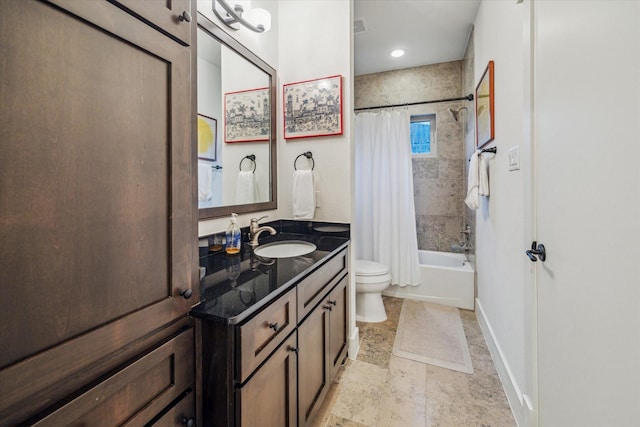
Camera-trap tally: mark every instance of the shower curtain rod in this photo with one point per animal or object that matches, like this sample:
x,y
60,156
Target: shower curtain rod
x,y
467,98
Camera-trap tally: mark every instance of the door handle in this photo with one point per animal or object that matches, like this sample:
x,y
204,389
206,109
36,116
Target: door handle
x,y
536,252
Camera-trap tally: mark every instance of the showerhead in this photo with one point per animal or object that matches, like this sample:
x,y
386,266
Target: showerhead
x,y
456,113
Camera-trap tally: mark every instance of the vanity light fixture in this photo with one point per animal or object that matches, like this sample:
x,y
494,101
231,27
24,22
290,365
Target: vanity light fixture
x,y
239,13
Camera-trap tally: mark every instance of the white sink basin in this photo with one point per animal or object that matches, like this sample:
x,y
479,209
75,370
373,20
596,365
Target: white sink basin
x,y
285,249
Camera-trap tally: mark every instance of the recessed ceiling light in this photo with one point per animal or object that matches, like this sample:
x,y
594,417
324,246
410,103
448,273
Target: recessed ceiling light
x,y
397,53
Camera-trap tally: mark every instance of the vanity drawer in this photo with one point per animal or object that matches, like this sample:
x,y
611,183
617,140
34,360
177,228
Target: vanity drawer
x,y
312,289
264,332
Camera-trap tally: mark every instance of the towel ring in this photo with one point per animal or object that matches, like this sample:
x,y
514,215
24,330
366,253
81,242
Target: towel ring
x,y
493,150
251,157
309,156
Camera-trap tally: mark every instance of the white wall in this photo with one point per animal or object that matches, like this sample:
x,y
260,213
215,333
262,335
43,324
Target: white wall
x,y
501,230
314,43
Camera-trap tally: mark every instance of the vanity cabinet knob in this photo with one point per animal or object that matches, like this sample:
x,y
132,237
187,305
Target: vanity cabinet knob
x,y
294,349
333,302
186,293
274,326
328,307
185,16
189,422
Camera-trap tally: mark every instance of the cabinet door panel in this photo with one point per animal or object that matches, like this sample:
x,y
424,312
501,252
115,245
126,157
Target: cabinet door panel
x,y
313,363
95,190
269,397
339,300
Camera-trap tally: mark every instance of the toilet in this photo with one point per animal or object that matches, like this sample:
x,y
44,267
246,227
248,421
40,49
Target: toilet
x,y
371,279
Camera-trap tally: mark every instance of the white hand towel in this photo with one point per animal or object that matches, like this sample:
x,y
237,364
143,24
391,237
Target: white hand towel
x,y
304,197
246,189
483,179
205,179
472,199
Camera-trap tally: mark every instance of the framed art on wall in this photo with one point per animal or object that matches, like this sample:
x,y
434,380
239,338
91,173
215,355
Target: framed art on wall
x,y
313,108
207,136
485,120
247,115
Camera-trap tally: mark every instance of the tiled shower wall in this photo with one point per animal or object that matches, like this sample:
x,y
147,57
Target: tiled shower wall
x,y
438,182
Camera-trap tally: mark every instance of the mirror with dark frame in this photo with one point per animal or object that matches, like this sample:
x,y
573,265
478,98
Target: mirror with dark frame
x,y
236,126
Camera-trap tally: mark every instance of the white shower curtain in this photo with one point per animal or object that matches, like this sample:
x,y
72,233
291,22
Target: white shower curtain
x,y
385,228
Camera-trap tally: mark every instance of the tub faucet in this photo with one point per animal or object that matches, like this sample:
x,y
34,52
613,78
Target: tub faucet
x,y
255,230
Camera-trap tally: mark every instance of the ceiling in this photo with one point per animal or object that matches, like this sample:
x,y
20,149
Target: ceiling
x,y
430,32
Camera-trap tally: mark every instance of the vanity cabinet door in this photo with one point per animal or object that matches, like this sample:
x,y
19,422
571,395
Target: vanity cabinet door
x,y
313,362
269,398
322,339
338,299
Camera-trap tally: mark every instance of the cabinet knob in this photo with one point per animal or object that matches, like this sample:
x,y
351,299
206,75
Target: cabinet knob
x,y
186,293
328,307
274,326
185,16
294,349
189,422
333,302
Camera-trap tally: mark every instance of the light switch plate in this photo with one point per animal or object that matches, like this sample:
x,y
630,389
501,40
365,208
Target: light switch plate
x,y
514,158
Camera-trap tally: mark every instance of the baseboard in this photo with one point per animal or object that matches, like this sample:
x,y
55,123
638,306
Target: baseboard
x,y
511,389
354,344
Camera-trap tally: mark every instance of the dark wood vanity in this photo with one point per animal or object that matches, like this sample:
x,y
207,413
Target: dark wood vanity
x,y
274,364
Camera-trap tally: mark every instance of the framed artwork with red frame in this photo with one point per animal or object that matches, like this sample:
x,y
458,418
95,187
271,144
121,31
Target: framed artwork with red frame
x,y
313,108
247,115
485,120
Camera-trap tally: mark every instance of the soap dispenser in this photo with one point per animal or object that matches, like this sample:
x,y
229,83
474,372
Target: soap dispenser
x,y
233,236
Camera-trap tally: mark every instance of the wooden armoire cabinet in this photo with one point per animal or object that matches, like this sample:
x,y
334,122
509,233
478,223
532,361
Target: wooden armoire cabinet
x,y
98,265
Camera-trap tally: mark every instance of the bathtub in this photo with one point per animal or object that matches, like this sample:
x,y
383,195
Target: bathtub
x,y
446,278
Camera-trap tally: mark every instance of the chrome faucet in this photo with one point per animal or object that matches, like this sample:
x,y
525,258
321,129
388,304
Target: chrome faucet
x,y
255,230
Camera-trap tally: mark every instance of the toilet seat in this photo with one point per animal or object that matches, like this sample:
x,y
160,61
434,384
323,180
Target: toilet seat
x,y
370,268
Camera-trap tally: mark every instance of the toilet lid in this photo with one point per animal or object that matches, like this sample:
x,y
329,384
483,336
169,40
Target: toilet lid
x,y
370,268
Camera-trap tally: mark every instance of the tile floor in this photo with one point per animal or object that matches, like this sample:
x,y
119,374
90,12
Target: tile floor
x,y
379,389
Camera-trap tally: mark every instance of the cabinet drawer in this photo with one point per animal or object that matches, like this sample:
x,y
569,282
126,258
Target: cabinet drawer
x,y
312,289
180,414
264,332
137,393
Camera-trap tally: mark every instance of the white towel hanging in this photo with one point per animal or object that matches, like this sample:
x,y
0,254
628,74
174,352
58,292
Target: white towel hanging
x,y
246,188
473,181
304,200
205,180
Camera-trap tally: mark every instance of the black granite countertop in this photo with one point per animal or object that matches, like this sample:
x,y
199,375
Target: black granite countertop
x,y
236,286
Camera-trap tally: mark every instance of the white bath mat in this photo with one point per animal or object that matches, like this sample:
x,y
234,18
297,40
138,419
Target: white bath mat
x,y
433,334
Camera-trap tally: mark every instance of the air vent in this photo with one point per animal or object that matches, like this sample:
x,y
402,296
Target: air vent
x,y
359,26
